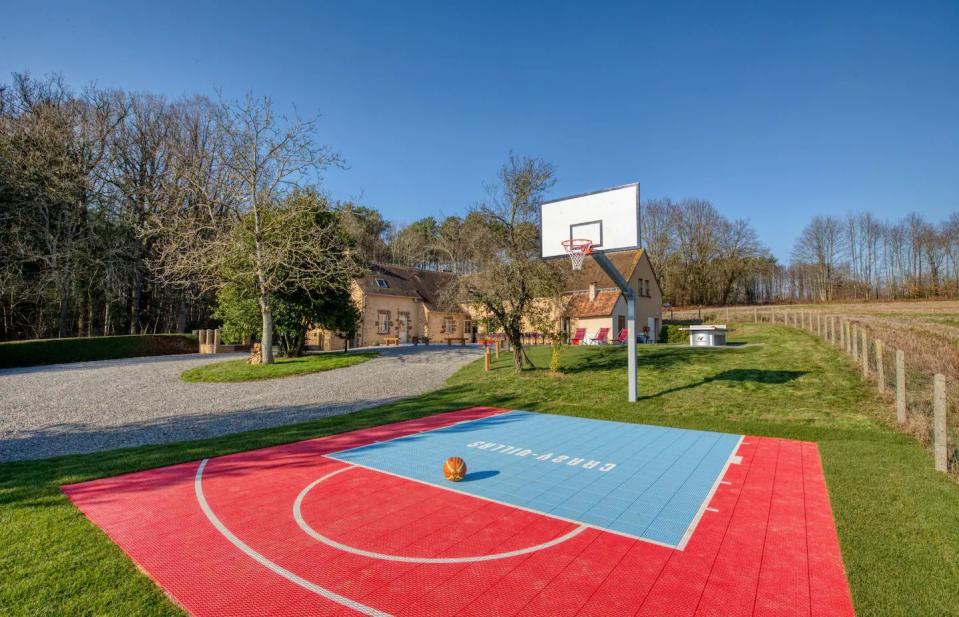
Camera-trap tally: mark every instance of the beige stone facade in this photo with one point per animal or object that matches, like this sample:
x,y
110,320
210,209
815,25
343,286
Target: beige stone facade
x,y
400,303
598,303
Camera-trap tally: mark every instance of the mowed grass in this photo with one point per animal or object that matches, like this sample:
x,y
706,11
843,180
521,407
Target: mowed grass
x,y
240,370
898,520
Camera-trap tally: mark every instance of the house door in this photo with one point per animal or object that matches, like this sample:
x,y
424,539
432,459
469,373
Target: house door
x,y
402,326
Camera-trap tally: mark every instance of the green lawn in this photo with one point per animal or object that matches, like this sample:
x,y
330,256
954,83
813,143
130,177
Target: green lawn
x,y
240,370
85,349
898,520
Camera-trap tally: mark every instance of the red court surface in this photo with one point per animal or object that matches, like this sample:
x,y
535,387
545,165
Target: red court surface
x,y
287,531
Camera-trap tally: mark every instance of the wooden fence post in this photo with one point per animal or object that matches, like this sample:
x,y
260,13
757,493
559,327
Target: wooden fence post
x,y
865,355
854,335
939,421
755,315
819,325
487,358
880,369
900,386
842,333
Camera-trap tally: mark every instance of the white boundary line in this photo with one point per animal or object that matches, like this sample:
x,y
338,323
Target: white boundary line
x,y
427,430
298,515
733,458
507,504
709,496
276,568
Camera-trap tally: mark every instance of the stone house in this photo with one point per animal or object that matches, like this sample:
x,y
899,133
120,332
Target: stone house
x,y
399,302
403,303
596,302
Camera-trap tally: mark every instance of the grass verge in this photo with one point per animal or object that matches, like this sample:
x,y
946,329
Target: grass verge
x,y
15,354
898,520
239,370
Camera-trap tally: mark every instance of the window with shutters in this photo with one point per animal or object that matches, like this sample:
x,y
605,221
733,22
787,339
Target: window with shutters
x,y
382,322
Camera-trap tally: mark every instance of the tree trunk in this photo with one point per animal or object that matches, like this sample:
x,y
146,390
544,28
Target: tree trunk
x,y
90,317
136,298
517,356
64,314
266,336
181,315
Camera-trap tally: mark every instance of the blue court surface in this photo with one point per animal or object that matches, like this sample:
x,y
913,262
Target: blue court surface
x,y
642,481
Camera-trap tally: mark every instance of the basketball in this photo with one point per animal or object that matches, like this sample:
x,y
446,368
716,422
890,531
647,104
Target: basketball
x,y
454,469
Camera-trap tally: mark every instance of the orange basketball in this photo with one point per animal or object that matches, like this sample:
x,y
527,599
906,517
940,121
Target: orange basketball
x,y
454,469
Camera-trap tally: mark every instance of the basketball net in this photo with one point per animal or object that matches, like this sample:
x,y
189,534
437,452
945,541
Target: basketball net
x,y
577,249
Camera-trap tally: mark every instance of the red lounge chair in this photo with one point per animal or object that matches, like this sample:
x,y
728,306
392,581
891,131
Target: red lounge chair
x,y
578,337
600,338
623,336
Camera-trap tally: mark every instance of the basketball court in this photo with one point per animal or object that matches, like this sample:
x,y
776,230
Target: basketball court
x,y
556,516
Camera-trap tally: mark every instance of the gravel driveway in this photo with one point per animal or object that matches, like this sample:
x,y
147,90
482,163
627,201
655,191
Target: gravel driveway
x,y
91,406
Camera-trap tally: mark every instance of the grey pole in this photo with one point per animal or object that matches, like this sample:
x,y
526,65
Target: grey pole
x,y
630,296
631,346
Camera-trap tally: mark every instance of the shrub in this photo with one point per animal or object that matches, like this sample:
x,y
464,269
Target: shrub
x,y
671,333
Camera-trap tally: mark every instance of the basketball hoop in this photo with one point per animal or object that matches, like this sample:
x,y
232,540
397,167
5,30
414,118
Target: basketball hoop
x,y
577,249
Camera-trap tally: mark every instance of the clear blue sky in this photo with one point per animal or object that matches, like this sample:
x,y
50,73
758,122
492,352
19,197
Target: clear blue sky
x,y
775,114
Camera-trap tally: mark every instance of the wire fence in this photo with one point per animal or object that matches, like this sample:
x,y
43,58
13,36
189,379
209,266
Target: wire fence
x,y
913,371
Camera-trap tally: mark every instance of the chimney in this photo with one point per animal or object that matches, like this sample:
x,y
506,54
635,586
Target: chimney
x,y
592,291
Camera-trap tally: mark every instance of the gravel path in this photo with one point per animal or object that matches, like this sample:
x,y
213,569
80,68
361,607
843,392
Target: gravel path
x,y
91,406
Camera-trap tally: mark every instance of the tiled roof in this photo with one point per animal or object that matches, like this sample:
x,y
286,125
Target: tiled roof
x,y
429,286
581,306
579,280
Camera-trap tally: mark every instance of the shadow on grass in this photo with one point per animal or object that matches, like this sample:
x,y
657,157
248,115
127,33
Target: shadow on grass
x,y
608,358
738,375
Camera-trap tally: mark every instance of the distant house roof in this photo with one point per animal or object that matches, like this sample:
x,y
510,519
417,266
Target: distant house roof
x,y
579,280
429,286
581,306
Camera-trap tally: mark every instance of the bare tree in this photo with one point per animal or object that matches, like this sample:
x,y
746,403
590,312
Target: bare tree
x,y
50,150
251,234
511,273
818,246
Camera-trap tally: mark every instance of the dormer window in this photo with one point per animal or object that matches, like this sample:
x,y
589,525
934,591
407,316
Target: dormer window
x,y
382,284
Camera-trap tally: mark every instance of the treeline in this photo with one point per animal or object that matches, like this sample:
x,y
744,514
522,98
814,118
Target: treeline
x,y
700,256
80,175
703,258
128,213
859,257
93,185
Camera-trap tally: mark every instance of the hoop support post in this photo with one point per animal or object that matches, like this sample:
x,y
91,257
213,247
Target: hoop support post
x,y
630,296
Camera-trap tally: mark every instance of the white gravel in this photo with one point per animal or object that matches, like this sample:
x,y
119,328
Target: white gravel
x,y
92,406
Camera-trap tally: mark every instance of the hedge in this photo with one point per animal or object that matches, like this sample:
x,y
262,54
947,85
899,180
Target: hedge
x,y
56,351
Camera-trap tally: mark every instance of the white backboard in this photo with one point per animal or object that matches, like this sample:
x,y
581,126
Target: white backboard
x,y
609,218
